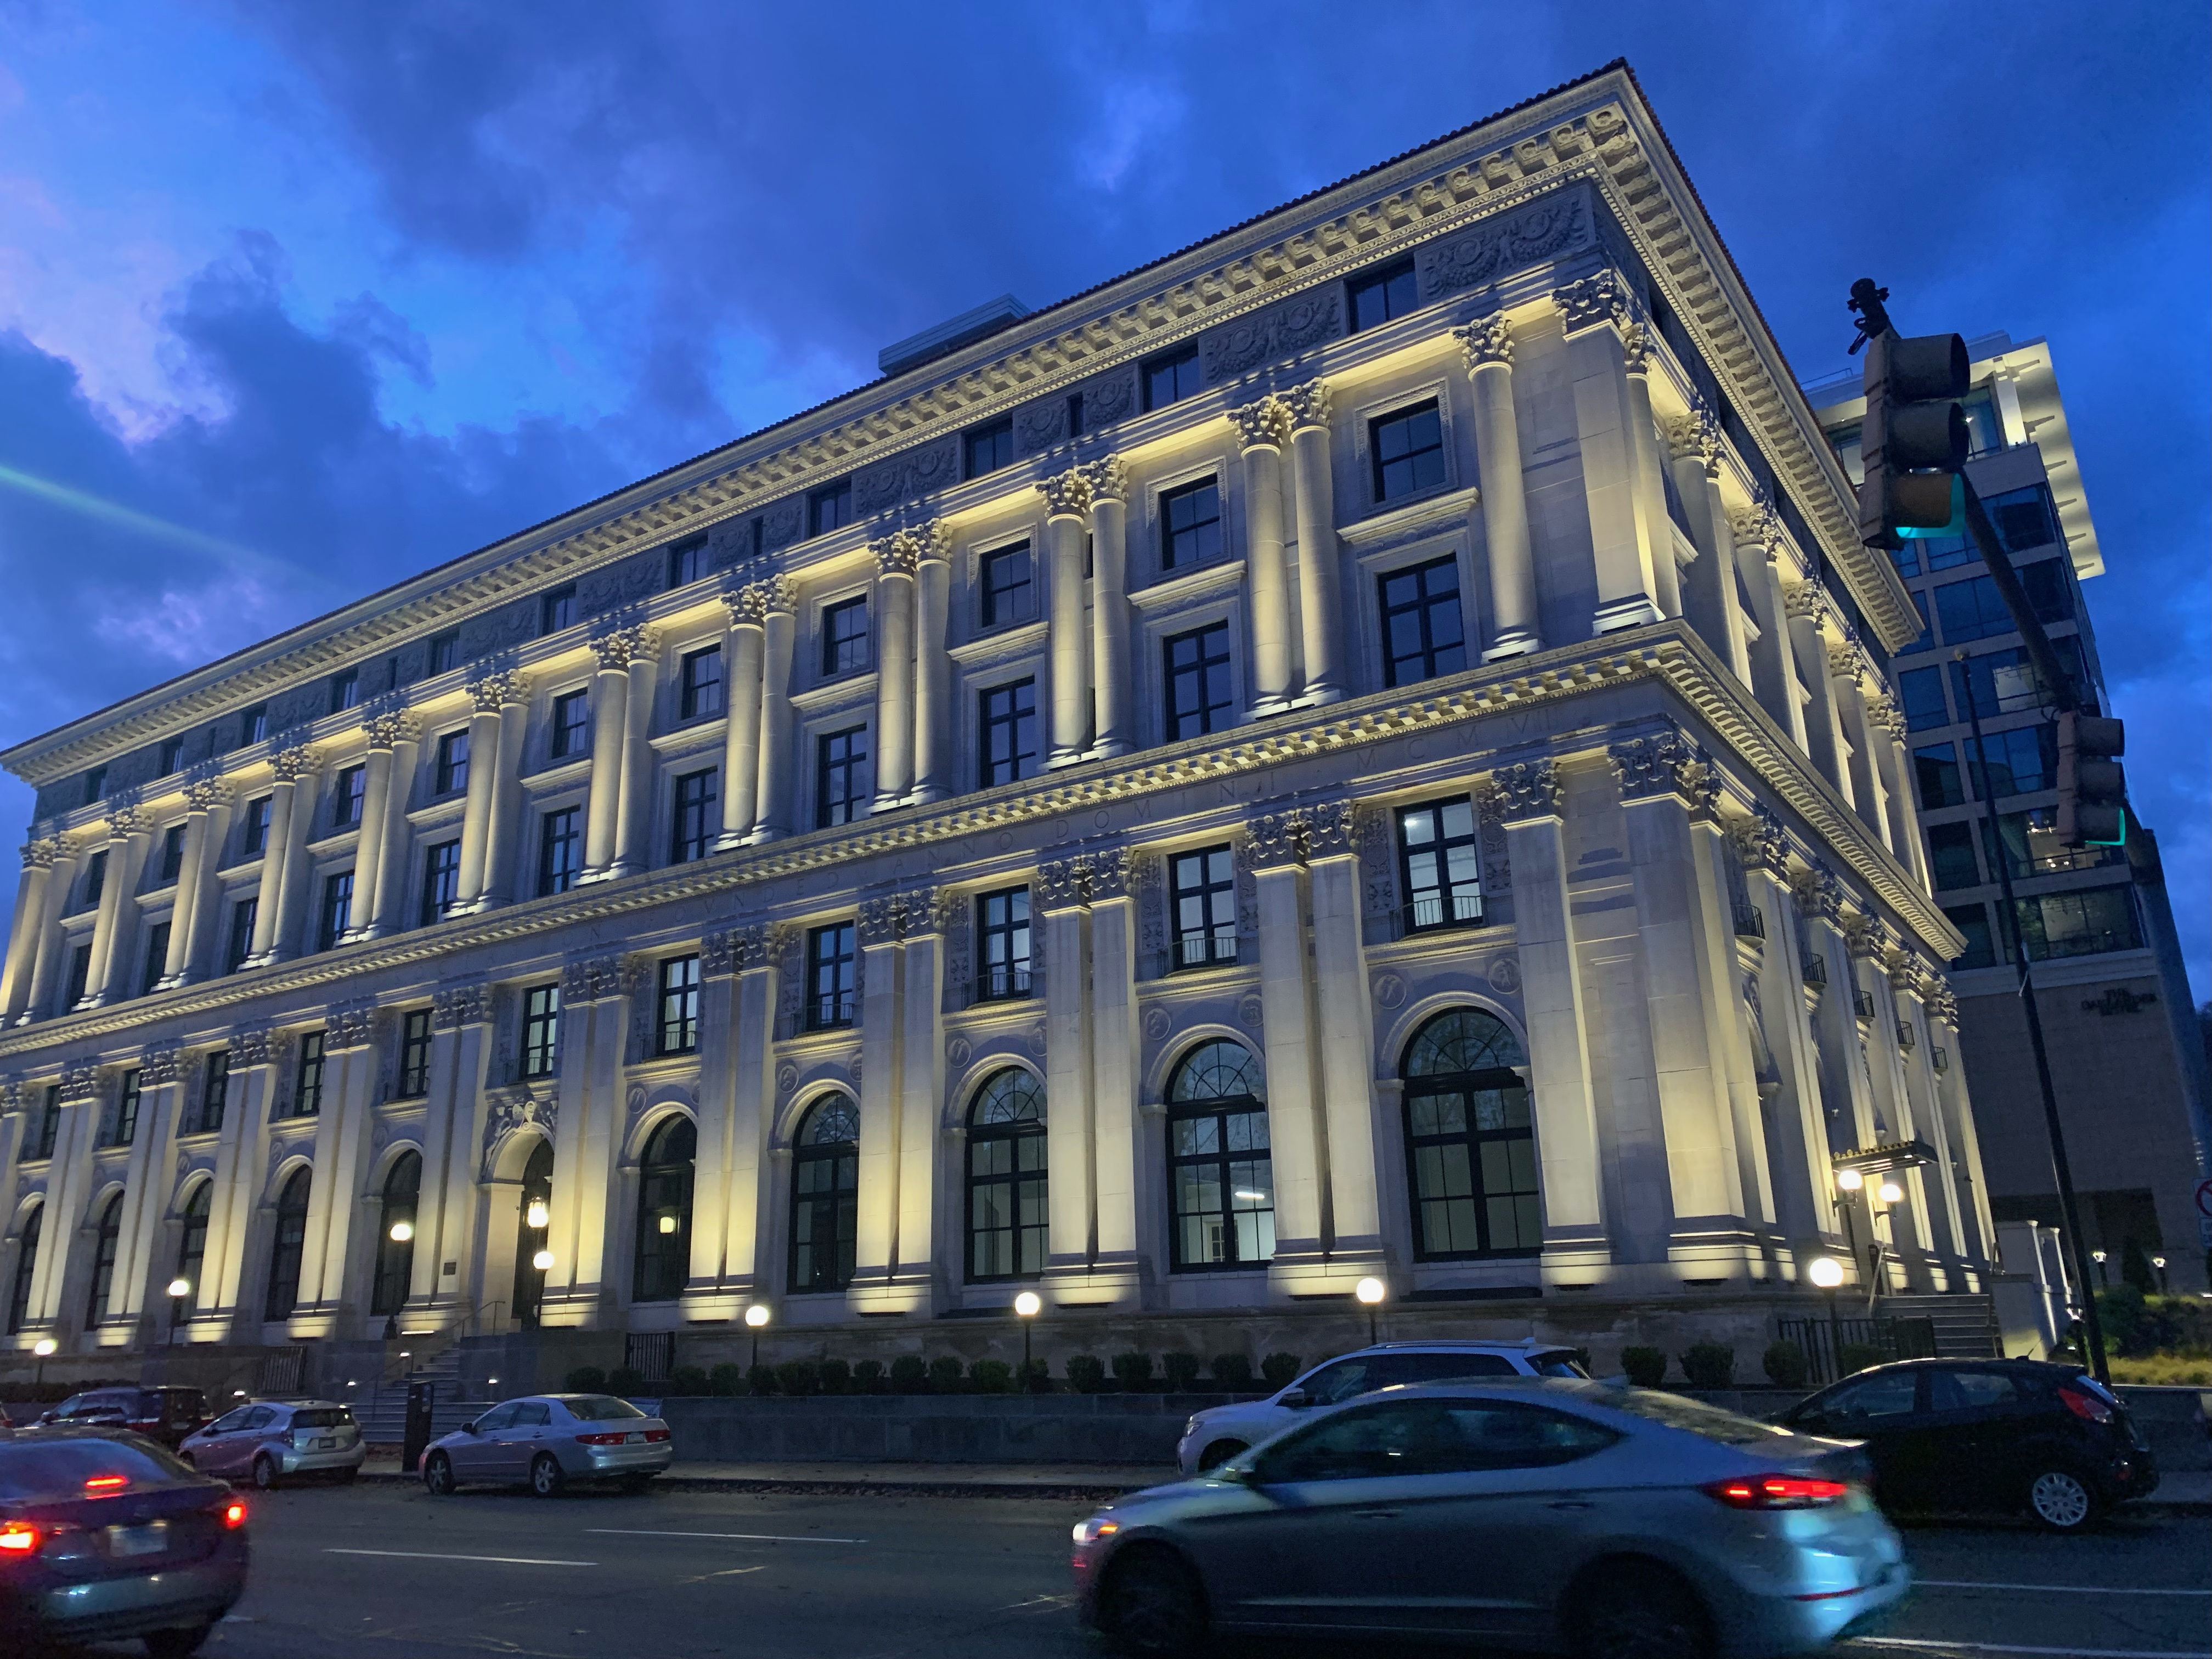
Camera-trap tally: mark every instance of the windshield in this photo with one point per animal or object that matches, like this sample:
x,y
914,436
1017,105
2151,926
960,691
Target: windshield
x,y
1677,1411
83,1468
328,1417
1560,1362
600,1408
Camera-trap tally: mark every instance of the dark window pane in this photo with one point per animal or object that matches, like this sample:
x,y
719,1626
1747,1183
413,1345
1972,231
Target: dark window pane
x,y
701,682
845,637
830,509
1936,770
557,610
687,562
1380,295
990,447
1422,632
843,781
1009,586
1200,684
572,717
1009,733
1171,377
560,851
1408,451
1202,905
1190,524
697,817
1920,693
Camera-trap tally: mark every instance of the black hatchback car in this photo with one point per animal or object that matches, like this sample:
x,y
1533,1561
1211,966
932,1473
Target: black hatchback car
x,y
166,1414
1988,1435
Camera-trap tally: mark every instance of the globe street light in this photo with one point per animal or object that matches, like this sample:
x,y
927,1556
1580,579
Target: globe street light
x,y
1372,1292
1826,1273
402,1232
42,1349
757,1316
1027,1306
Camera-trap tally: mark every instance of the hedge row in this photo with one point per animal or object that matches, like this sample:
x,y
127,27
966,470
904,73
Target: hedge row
x,y
1134,1373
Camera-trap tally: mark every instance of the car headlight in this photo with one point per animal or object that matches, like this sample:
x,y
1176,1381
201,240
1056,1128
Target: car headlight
x,y
1191,1427
1096,1528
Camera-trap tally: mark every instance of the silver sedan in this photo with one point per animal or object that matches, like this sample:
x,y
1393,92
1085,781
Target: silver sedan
x,y
1560,1515
549,1440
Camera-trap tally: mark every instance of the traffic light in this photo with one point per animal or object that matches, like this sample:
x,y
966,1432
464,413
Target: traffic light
x,y
1914,438
2092,791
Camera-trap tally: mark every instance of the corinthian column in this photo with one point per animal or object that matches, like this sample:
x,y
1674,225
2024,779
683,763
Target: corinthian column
x,y
46,937
1651,480
1693,444
1262,430
382,731
502,839
1108,480
110,950
1488,346
741,730
487,693
934,749
197,862
1067,499
1320,627
24,937
610,694
1806,604
780,607
1757,537
634,817
1626,543
1847,668
895,565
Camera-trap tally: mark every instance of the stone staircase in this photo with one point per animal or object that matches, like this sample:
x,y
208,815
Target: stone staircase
x,y
1966,1326
381,1407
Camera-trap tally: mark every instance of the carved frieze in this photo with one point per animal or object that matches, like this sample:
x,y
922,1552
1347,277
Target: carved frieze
x,y
1298,324
1543,230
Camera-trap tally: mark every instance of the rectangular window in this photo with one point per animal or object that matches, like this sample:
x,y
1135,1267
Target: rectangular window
x,y
842,782
253,724
1075,414
1380,295
1970,610
95,785
1009,586
2023,519
452,775
2032,847
845,637
572,724
541,1030
1920,693
1408,449
830,508
696,818
1010,734
687,562
830,977
1171,377
442,880
445,651
560,851
1002,931
2020,761
701,682
1422,633
307,1092
1951,856
1190,524
345,690
80,976
1973,922
2050,590
1201,686
214,1093
1936,770
346,800
157,959
127,1098
338,907
255,836
50,1123
415,1053
173,757
2005,682
1202,896
557,610
1440,862
173,853
987,448
2079,924
679,1006
95,877
240,943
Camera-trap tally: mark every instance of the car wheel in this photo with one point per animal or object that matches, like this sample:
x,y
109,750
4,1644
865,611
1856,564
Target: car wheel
x,y
1633,1610
177,1643
2062,1501
545,1475
1151,1605
438,1474
1219,1452
264,1472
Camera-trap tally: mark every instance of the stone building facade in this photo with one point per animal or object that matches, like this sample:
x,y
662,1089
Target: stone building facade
x,y
1362,748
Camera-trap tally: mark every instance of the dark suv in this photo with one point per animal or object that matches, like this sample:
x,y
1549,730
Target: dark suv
x,y
1988,1436
166,1414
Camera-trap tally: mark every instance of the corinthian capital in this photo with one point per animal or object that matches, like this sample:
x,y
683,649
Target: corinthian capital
x,y
488,692
1487,341
1528,790
1107,480
895,556
1756,525
1695,436
1665,764
296,762
931,539
205,794
1592,301
389,730
1067,494
1265,424
40,854
618,647
1307,405
1807,600
1845,662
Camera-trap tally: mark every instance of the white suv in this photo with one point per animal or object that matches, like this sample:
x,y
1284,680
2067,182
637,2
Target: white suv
x,y
1222,1432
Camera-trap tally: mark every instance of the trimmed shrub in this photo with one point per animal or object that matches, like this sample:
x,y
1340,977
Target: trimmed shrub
x,y
1710,1366
1279,1369
761,1379
686,1381
909,1375
2136,1269
946,1373
1232,1370
625,1380
1132,1370
868,1376
726,1381
1784,1362
991,1376
1182,1370
1085,1373
585,1379
1857,1356
798,1377
1646,1367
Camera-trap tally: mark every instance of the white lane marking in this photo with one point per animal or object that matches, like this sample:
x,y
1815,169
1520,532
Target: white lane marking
x,y
1923,1644
2070,1590
743,1537
503,1560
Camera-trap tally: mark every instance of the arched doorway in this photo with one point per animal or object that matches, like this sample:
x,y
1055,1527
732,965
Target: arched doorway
x,y
395,1237
1221,1175
1470,1141
664,1212
286,1244
533,1223
1006,1214
825,1186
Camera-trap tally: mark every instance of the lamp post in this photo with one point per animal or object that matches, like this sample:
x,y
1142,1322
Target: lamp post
x,y
2158,1263
1027,1306
757,1316
1372,1292
180,1289
1826,1273
1849,1182
43,1348
2104,1279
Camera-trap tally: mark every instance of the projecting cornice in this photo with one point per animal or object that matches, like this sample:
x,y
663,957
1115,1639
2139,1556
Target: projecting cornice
x,y
1598,131
1666,652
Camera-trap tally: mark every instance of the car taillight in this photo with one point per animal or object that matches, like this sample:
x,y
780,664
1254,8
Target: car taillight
x,y
656,1434
233,1514
18,1538
2085,1405
143,1425
600,1439
1777,1492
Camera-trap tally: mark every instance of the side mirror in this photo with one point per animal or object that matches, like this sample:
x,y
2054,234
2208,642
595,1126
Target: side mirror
x,y
50,1417
1236,1473
468,1428
1297,1399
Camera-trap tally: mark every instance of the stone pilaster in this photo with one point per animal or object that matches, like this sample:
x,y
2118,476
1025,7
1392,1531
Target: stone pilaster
x,y
1488,347
1262,431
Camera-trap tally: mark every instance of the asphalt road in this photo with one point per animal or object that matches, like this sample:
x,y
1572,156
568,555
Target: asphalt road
x,y
384,1573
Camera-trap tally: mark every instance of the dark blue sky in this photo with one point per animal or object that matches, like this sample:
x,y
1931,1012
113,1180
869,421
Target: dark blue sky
x,y
297,300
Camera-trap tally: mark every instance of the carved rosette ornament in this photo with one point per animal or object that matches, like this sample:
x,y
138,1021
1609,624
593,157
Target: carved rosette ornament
x,y
1761,844
1529,789
1265,424
1107,480
456,1006
1059,884
1665,764
1307,405
1487,342
1067,494
618,647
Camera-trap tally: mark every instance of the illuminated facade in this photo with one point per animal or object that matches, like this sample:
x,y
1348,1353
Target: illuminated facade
x,y
1361,748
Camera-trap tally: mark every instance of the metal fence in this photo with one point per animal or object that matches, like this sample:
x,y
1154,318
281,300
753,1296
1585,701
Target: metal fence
x,y
1828,1343
280,1372
651,1354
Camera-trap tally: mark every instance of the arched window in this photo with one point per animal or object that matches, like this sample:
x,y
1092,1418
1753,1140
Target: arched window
x,y
825,1183
192,1249
1221,1178
395,1238
103,1260
284,1248
1468,1142
1006,1177
664,1212
26,1264
529,1236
